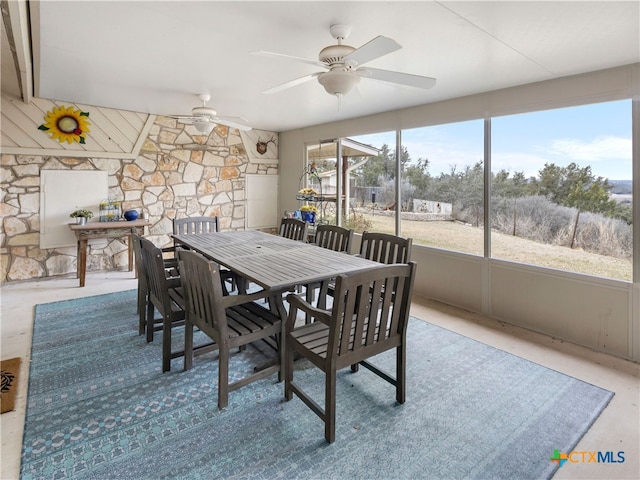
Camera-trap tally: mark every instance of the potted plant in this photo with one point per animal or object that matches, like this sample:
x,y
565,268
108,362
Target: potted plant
x,y
309,213
81,216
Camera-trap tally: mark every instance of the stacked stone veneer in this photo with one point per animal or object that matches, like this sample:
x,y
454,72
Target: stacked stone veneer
x,y
165,181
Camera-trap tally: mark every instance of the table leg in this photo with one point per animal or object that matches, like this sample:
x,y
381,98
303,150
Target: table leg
x,y
82,260
130,244
278,303
78,259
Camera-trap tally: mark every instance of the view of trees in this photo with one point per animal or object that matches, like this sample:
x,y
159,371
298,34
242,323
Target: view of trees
x,y
562,205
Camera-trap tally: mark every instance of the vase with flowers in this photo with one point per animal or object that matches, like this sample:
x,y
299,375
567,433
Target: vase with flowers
x,y
309,213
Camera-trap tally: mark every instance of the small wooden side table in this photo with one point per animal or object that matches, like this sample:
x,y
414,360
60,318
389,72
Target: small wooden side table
x,y
104,230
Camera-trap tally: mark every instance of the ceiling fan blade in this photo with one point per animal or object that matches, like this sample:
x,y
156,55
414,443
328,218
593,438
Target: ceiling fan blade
x,y
289,57
408,79
371,50
291,83
233,122
185,119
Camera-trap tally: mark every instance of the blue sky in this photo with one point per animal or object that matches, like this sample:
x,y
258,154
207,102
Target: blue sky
x,y
597,135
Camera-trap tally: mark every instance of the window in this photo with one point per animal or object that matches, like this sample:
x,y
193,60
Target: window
x,y
561,189
320,181
370,173
442,187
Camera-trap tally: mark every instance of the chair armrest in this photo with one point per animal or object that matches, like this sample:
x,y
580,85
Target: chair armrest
x,y
298,303
174,282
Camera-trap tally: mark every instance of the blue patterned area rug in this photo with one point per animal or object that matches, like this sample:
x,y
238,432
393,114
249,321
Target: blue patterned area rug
x,y
100,408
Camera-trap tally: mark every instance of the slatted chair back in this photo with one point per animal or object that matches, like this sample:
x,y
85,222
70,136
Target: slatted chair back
x,y
334,238
230,321
385,248
294,228
369,315
190,225
203,290
165,296
379,247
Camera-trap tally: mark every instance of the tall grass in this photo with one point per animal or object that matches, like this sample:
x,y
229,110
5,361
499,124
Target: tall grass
x,y
536,218
603,245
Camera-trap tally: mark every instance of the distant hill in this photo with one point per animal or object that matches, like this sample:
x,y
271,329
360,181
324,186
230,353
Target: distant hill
x,y
621,187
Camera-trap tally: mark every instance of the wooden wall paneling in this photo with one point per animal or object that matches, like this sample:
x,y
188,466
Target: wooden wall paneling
x,y
97,139
17,135
26,118
7,142
19,112
115,134
135,119
122,126
100,132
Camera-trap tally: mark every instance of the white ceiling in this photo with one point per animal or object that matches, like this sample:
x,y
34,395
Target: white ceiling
x,y
155,56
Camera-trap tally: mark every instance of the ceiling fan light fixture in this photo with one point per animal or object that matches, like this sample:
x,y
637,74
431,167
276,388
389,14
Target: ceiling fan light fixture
x,y
203,126
338,82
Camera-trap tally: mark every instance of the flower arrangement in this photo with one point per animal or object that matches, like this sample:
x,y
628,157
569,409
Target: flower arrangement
x,y
309,208
81,213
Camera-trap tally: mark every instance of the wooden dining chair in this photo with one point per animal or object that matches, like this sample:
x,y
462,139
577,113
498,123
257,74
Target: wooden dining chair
x,y
165,296
332,237
204,224
369,316
385,248
294,228
229,320
190,225
170,266
379,247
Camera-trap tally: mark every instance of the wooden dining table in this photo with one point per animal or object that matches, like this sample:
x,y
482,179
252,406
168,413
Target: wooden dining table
x,y
275,263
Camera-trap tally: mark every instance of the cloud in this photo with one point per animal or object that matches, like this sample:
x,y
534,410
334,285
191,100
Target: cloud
x,y
599,149
529,164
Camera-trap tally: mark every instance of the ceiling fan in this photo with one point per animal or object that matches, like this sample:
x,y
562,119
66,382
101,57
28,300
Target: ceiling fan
x,y
343,65
205,118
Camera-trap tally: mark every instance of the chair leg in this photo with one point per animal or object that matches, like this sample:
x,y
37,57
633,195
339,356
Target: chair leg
x,y
142,308
150,317
188,345
401,364
288,373
330,406
223,375
166,344
242,284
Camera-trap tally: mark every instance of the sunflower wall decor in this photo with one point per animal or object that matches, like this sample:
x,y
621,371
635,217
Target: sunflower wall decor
x,y
66,124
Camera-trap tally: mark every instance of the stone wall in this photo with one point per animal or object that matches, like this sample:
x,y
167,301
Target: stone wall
x,y
171,177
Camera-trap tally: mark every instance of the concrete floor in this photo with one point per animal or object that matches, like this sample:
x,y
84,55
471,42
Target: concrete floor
x,y
617,429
